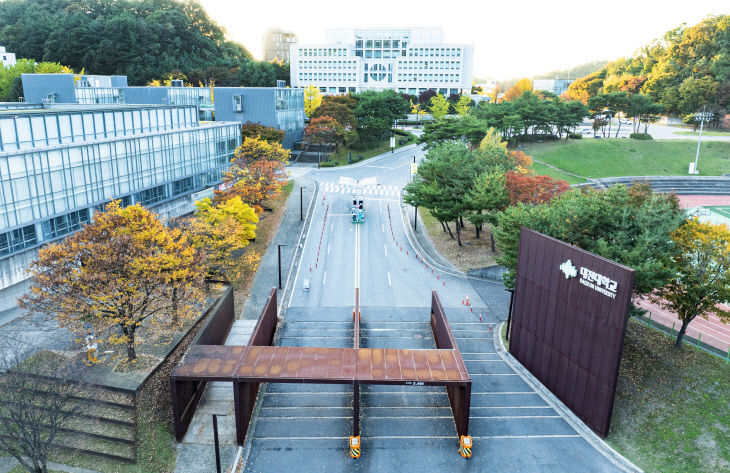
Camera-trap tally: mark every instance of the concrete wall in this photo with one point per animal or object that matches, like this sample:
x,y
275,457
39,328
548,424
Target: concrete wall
x,y
145,95
13,277
36,87
259,106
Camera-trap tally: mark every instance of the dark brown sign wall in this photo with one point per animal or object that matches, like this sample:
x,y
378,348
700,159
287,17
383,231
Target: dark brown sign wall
x,y
569,320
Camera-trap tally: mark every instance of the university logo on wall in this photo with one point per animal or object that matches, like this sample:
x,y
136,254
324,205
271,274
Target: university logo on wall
x,y
591,279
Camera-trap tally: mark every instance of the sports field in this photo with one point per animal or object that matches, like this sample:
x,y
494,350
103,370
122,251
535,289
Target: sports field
x,y
723,210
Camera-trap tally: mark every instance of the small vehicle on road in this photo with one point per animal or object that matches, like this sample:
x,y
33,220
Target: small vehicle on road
x,y
358,212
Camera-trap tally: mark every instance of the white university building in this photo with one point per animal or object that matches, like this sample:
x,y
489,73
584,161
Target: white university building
x,y
407,60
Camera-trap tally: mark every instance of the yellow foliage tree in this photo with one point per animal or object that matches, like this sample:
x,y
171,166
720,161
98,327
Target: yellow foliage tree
x,y
521,86
439,106
116,274
463,105
312,99
221,232
417,110
701,274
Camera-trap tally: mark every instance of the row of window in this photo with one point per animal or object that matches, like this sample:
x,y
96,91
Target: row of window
x,y
42,184
321,52
377,76
327,64
429,65
339,76
377,54
428,77
31,130
19,239
384,43
437,52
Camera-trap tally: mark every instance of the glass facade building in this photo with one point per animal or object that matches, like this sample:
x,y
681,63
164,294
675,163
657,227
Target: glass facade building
x,y
58,165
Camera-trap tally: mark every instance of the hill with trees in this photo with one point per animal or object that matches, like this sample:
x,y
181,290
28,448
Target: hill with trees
x,y
683,71
145,40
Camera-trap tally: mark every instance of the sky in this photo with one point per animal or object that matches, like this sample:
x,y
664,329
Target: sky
x,y
511,38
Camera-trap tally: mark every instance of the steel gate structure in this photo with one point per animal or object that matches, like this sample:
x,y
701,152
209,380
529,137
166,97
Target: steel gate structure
x,y
260,362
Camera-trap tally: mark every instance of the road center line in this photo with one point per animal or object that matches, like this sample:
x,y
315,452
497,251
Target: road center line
x,y
328,248
324,278
388,275
385,247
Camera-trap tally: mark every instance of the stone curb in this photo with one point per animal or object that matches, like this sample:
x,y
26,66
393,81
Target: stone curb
x,y
594,440
413,240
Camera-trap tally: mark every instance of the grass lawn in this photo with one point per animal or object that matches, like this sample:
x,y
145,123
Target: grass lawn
x,y
557,174
672,412
704,133
340,157
626,157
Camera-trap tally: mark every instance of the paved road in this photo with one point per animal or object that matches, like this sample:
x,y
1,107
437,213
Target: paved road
x,y
403,428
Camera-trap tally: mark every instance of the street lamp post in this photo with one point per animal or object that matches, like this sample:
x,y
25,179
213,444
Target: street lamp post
x,y
279,251
301,207
215,441
699,139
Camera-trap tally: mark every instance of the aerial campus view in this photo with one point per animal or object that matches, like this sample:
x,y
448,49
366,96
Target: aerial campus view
x,y
253,237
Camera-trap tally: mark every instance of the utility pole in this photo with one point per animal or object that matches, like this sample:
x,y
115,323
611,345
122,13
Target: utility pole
x,y
415,218
279,251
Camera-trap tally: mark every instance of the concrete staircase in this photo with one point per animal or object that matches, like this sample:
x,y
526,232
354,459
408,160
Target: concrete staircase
x,y
682,185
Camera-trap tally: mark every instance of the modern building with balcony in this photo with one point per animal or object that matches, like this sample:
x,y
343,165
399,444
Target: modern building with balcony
x,y
279,107
408,60
60,163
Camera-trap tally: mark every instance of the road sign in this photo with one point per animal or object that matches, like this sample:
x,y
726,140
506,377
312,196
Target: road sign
x,y
392,141
414,169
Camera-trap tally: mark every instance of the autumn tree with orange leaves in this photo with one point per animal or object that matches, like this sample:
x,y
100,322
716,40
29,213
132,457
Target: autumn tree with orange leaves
x,y
256,173
123,271
529,188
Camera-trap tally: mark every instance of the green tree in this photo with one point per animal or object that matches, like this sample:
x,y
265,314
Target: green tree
x,y
695,93
439,106
700,280
486,199
262,132
342,110
629,225
377,113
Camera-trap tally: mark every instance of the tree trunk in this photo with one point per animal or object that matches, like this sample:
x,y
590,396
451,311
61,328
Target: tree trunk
x,y
458,233
461,221
680,335
491,239
477,227
175,315
449,229
619,127
443,227
131,352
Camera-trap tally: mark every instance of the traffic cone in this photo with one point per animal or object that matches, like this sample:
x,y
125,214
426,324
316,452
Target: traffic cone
x,y
490,327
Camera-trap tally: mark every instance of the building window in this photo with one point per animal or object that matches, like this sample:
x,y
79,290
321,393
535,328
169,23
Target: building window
x,y
151,196
183,185
65,224
238,103
16,240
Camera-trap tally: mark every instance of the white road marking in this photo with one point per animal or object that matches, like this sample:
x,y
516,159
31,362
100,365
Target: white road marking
x,y
324,278
382,227
385,247
332,227
328,248
388,278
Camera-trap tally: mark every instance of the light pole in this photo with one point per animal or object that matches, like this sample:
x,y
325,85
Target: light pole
x,y
279,251
215,441
699,139
301,207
